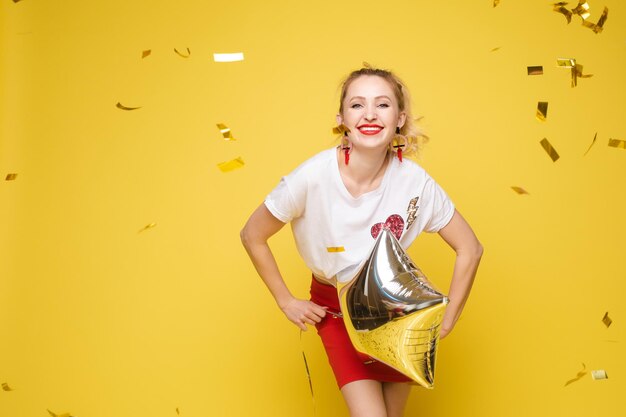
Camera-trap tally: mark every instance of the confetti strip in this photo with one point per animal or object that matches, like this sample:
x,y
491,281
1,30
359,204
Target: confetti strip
x,y
579,375
6,387
122,107
566,62
536,70
308,373
146,53
236,56
59,415
339,130
177,412
183,55
231,165
617,143
335,249
549,149
497,48
597,27
542,111
582,9
607,320
146,227
10,177
560,8
496,2
592,142
228,135
519,190
599,374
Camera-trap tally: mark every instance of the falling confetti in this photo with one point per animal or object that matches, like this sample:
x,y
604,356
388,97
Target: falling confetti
x,y
183,55
496,2
231,165
233,57
599,374
579,375
177,412
6,387
228,135
10,177
542,111
536,70
146,53
333,249
582,9
560,8
146,227
519,190
497,48
597,27
592,142
59,415
122,107
566,62
617,143
549,149
606,319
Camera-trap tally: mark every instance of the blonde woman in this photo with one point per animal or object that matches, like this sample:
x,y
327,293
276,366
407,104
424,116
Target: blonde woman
x,y
335,199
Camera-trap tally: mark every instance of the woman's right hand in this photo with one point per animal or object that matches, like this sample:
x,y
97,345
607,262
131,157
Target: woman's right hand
x,y
303,312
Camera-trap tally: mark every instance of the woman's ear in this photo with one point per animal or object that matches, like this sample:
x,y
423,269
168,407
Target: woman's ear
x,y
339,119
401,119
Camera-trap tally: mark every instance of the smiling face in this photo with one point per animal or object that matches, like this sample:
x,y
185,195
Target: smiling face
x,y
371,111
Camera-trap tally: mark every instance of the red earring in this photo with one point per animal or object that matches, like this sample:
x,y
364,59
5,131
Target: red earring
x,y
395,143
345,147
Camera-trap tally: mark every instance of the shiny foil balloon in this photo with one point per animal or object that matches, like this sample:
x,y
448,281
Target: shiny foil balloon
x,y
392,312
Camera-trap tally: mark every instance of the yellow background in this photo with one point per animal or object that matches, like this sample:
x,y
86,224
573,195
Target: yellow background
x,y
97,319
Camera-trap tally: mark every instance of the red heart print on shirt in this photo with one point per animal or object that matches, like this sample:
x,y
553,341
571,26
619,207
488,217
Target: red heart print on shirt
x,y
395,223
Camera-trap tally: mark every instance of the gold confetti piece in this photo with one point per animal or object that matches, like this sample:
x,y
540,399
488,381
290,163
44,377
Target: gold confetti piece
x,y
183,55
16,1
122,107
146,53
579,375
232,57
549,149
599,374
228,135
536,70
231,165
617,143
560,8
606,319
146,227
6,387
542,111
566,62
339,130
497,48
59,415
582,9
10,177
177,412
592,142
333,249
597,27
496,2
519,190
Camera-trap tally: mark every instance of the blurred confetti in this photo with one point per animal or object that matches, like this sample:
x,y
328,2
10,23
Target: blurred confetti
x,y
16,1
183,55
617,143
122,107
333,249
177,412
59,415
536,70
497,48
582,9
549,149
542,111
592,142
339,130
233,57
560,8
6,387
597,27
519,190
231,165
496,2
10,177
228,135
599,374
606,319
579,375
146,53
146,227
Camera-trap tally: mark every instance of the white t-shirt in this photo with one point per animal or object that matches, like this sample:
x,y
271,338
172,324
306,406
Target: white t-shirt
x,y
334,232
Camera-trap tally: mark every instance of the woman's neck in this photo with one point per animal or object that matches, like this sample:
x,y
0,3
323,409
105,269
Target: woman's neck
x,y
364,172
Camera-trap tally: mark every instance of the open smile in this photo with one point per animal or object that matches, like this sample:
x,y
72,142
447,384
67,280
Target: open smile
x,y
370,129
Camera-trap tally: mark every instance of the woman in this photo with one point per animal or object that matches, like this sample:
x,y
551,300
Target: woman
x,y
335,202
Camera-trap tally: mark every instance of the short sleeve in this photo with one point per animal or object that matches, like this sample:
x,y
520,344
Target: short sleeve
x,y
283,203
436,206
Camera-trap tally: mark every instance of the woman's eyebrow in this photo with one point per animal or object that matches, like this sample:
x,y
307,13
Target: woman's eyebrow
x,y
363,98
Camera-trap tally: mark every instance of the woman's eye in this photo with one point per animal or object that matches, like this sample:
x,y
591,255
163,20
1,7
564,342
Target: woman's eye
x,y
356,106
383,105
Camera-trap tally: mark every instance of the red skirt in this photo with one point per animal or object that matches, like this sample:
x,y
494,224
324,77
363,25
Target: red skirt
x,y
348,364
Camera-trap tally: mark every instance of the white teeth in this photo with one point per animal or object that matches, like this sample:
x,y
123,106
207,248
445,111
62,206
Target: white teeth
x,y
370,129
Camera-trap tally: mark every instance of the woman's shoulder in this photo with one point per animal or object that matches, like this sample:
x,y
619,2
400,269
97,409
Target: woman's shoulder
x,y
316,163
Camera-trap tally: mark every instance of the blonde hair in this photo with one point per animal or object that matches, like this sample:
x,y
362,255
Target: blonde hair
x,y
415,136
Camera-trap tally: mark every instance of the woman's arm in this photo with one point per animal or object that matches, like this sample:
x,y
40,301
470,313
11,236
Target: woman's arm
x,y
459,235
260,227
